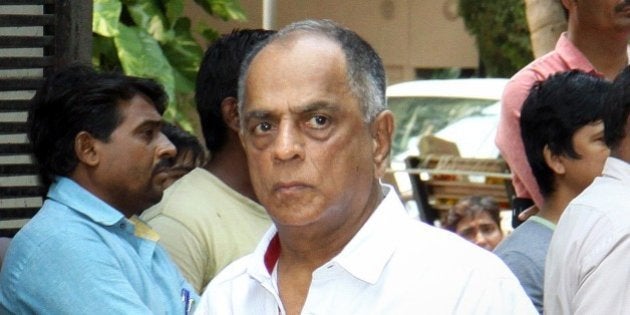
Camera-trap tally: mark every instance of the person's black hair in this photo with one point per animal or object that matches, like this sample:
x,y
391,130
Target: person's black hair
x,y
75,99
470,207
553,111
218,79
185,142
617,110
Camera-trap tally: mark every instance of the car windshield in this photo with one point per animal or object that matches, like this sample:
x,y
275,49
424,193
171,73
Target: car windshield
x,y
416,116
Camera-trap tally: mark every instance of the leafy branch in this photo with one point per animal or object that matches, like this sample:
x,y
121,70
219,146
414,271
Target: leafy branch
x,y
153,39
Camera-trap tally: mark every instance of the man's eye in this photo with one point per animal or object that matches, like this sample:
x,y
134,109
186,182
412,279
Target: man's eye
x,y
262,127
149,133
318,121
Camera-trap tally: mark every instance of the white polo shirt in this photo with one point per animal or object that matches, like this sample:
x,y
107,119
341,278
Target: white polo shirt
x,y
393,265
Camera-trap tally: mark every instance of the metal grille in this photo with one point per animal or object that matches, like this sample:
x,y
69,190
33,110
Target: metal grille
x,y
36,37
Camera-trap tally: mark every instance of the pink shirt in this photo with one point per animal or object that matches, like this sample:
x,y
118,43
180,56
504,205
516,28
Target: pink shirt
x,y
565,57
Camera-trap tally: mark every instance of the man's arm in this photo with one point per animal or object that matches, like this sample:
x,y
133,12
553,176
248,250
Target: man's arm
x,y
509,140
493,289
62,277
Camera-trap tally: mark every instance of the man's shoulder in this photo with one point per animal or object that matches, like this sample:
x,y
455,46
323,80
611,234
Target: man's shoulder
x,y
590,206
590,227
440,257
46,243
589,215
195,191
430,246
53,222
539,69
195,184
235,271
527,245
528,236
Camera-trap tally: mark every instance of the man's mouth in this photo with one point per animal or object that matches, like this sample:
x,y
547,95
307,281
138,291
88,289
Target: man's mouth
x,y
289,187
162,166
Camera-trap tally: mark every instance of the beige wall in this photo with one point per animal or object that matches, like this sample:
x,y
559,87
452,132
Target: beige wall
x,y
408,34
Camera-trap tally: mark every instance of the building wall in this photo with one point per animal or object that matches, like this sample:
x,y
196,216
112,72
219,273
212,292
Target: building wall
x,y
408,34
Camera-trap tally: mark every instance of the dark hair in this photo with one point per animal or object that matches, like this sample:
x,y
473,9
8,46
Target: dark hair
x,y
218,79
470,207
553,111
617,110
77,99
185,142
365,72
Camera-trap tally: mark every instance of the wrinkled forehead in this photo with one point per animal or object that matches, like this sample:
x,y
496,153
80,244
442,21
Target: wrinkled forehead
x,y
295,63
299,48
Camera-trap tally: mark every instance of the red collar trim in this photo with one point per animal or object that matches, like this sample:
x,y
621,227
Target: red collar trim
x,y
272,254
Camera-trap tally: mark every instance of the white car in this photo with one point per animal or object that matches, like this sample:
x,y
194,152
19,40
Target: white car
x,y
462,111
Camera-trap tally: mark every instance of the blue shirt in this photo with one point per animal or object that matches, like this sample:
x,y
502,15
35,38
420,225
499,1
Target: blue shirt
x,y
79,255
524,252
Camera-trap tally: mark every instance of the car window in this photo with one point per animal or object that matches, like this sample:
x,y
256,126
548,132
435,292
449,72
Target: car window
x,y
416,116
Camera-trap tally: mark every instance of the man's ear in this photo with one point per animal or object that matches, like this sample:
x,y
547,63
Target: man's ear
x,y
85,148
382,130
553,161
229,111
567,3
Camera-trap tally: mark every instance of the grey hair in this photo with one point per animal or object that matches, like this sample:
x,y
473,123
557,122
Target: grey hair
x,y
365,72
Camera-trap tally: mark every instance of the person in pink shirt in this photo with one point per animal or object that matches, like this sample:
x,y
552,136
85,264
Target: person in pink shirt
x,y
596,42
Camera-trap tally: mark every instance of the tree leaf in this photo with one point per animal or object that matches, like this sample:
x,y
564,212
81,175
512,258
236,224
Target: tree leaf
x,y
176,114
104,56
208,33
148,15
174,10
182,51
182,83
151,38
224,9
140,55
105,17
501,34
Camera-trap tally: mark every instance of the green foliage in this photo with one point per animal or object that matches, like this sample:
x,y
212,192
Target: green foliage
x,y
500,28
152,39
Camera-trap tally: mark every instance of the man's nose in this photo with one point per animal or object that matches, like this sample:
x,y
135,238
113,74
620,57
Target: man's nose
x,y
288,144
165,148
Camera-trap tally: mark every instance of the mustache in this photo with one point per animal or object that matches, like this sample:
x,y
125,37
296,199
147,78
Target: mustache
x,y
163,164
621,6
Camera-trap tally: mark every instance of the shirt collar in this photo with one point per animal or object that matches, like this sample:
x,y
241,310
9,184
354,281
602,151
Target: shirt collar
x,y
542,221
376,239
618,169
143,230
367,254
67,192
574,58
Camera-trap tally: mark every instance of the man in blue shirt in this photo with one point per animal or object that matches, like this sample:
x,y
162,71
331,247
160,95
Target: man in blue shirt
x,y
97,140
